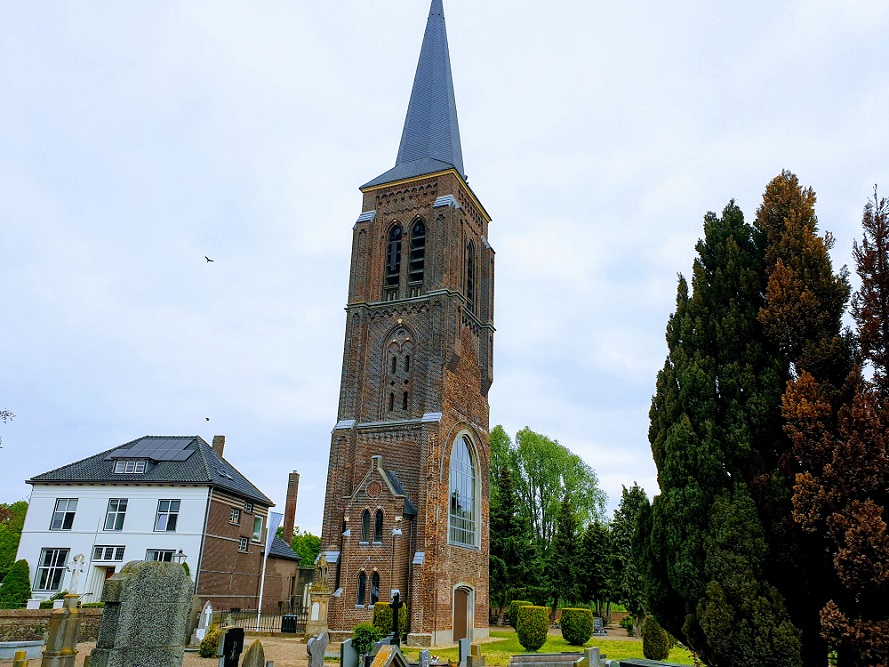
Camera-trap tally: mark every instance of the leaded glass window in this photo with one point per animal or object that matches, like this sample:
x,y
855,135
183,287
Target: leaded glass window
x,y
463,511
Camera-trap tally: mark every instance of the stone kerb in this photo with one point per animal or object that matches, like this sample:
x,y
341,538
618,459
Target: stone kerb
x,y
146,610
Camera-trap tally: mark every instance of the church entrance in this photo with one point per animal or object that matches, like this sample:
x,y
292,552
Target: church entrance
x,y
463,609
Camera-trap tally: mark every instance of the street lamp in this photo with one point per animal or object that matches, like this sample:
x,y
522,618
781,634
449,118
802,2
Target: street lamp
x,y
180,556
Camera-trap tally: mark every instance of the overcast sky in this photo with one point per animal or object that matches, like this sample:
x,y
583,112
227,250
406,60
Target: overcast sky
x,y
138,137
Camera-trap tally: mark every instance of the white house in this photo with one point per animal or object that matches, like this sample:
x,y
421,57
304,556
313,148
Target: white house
x,y
155,498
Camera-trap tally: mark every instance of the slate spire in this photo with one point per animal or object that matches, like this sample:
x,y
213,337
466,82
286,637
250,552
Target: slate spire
x,y
430,140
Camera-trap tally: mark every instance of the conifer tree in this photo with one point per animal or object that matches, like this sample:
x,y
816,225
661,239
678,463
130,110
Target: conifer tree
x,y
510,540
562,561
16,587
596,566
627,585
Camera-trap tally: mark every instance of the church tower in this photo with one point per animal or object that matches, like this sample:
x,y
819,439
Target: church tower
x,y
407,488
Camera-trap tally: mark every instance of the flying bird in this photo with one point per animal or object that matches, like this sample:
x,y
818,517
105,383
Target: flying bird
x,y
207,418
207,258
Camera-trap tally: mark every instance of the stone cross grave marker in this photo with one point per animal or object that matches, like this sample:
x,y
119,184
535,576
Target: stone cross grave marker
x,y
396,606
475,658
316,647
143,623
64,632
204,622
231,644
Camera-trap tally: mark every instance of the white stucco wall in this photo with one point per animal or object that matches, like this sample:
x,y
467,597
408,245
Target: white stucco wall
x,y
137,536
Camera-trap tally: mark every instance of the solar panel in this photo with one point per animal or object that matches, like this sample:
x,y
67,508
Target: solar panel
x,y
156,449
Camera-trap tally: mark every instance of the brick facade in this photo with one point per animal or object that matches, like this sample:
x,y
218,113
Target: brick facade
x,y
417,366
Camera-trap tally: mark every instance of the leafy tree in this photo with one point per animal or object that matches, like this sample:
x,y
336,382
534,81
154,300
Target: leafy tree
x,y
562,566
306,546
510,552
627,584
5,416
714,423
12,520
596,566
16,587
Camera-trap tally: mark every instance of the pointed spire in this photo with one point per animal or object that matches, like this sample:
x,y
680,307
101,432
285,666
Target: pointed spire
x,y
430,140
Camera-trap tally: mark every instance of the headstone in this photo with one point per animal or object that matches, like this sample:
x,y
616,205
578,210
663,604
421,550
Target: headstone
x,y
389,656
255,656
32,603
57,604
143,623
348,654
396,606
194,619
475,658
465,646
231,644
20,659
204,622
425,658
316,609
64,633
315,647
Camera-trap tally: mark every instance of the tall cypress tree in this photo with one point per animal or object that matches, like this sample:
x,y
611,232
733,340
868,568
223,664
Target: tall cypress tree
x,y
510,552
562,560
715,408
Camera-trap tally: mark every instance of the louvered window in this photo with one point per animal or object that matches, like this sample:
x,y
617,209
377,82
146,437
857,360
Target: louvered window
x,y
393,258
418,257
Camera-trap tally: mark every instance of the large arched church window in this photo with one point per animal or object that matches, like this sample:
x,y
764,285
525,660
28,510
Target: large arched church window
x,y
417,258
378,526
463,511
470,276
362,589
365,526
393,258
375,588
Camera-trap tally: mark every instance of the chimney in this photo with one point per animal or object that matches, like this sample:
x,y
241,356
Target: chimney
x,y
290,507
219,444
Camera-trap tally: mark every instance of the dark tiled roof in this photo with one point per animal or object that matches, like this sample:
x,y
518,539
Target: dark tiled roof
x,y
409,509
431,133
281,550
204,466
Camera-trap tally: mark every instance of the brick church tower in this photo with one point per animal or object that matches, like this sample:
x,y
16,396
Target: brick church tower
x,y
407,488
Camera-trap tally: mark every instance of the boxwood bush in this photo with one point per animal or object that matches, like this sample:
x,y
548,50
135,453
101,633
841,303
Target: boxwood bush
x,y
383,618
16,587
655,642
577,625
364,636
514,611
531,626
210,643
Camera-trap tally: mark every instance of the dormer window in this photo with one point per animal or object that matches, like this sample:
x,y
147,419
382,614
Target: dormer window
x,y
129,467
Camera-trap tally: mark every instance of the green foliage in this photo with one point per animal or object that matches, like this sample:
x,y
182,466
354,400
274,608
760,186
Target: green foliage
x,y
210,643
514,610
93,605
47,604
532,626
365,635
596,560
562,566
12,519
186,568
382,618
627,623
655,643
627,585
577,625
16,588
510,546
306,546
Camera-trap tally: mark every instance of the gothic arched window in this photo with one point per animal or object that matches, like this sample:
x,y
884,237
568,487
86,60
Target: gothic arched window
x,y
375,588
362,589
365,526
418,254
393,257
378,526
463,511
470,276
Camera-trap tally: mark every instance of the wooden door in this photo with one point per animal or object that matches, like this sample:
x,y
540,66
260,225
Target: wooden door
x,y
461,613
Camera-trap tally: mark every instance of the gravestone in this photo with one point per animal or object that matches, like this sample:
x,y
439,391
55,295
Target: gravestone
x,y
194,618
389,656
143,623
348,654
475,658
396,606
315,647
255,656
64,633
204,622
425,658
231,644
465,645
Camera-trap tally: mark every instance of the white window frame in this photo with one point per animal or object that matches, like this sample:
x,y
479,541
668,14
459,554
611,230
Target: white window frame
x,y
242,544
167,514
116,515
234,517
62,510
129,467
160,555
257,532
248,507
463,530
112,553
47,572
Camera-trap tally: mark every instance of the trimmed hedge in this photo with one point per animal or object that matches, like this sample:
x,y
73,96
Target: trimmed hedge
x,y
16,587
383,618
532,626
364,636
577,625
514,611
655,642
210,643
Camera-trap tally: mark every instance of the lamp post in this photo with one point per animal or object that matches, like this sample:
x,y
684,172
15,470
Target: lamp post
x,y
180,556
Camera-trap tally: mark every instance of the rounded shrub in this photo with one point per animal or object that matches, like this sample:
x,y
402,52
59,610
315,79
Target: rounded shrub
x,y
383,618
364,636
210,643
577,625
655,642
532,626
16,587
514,611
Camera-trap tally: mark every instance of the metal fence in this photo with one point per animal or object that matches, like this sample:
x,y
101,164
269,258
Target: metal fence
x,y
272,620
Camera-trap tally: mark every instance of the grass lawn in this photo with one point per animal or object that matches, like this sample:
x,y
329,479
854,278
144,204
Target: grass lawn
x,y
507,644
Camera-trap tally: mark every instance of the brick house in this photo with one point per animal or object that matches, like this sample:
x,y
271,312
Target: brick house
x,y
407,491
155,498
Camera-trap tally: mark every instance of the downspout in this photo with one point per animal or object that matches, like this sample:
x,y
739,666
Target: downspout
x,y
200,563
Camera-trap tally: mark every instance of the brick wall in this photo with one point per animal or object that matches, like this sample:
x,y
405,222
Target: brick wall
x,y
30,624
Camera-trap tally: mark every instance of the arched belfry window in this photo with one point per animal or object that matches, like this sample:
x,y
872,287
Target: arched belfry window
x,y
463,512
393,257
365,526
418,257
378,526
470,276
375,588
362,589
